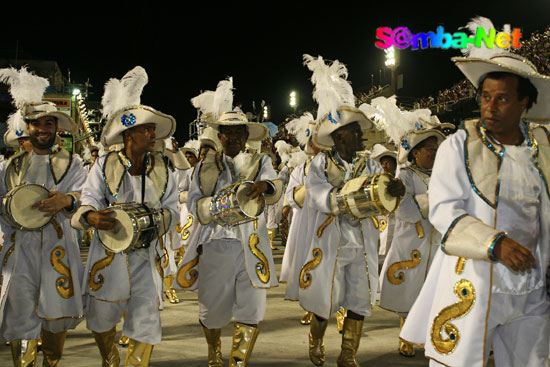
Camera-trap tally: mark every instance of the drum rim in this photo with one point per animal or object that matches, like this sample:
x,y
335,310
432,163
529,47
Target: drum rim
x,y
7,215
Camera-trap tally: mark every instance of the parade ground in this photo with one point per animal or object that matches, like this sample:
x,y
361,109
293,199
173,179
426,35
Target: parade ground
x,y
282,342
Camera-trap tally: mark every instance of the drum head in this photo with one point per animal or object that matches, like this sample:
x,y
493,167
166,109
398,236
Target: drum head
x,y
389,202
121,237
21,206
251,208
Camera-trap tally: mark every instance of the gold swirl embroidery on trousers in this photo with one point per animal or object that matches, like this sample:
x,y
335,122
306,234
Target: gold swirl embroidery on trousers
x,y
6,256
64,284
324,225
185,229
419,229
262,267
466,294
382,225
57,228
375,222
187,276
460,265
101,264
305,275
408,264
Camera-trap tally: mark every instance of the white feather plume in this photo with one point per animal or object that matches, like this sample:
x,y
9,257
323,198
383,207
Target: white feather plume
x,y
388,117
331,87
298,127
16,122
283,150
217,102
124,92
297,158
482,52
25,87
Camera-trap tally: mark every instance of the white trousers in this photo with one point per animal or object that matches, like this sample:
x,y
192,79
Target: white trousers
x,y
142,320
351,282
21,320
518,330
225,290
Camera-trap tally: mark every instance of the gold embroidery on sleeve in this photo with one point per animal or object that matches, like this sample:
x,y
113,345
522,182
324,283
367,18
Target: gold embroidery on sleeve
x,y
262,267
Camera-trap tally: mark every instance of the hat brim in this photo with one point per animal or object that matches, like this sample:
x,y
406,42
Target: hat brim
x,y
64,121
11,139
347,115
112,132
256,131
414,138
475,68
387,153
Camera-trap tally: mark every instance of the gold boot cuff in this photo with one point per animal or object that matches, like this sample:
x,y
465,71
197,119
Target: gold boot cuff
x,y
244,337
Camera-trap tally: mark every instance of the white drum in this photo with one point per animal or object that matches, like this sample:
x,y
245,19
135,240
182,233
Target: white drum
x,y
366,196
231,206
17,207
138,226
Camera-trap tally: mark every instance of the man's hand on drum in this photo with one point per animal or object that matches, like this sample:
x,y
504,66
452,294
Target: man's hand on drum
x,y
396,187
54,203
101,219
258,188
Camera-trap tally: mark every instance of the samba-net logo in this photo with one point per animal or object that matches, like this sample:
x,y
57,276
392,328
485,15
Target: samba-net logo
x,y
402,37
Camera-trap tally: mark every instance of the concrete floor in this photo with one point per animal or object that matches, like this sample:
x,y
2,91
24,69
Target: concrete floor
x,y
283,341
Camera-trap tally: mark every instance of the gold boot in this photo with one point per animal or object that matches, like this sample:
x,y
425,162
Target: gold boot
x,y
214,346
170,292
244,337
138,354
106,343
351,336
306,319
123,341
52,347
271,234
23,352
406,349
316,345
340,315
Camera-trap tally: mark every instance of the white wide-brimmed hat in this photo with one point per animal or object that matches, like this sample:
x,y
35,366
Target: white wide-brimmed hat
x,y
17,128
256,131
334,95
123,110
210,138
479,61
475,68
303,128
345,115
379,151
415,137
191,146
27,91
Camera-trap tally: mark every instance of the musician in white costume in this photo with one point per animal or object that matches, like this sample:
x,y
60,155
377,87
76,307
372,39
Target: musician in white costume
x,y
415,241
235,265
386,223
488,195
296,249
129,280
342,265
178,164
41,269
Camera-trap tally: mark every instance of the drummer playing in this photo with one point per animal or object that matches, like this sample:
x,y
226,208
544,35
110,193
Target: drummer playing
x,y
40,268
131,280
235,265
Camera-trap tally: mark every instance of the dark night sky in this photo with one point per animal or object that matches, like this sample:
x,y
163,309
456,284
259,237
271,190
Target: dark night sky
x,y
187,49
